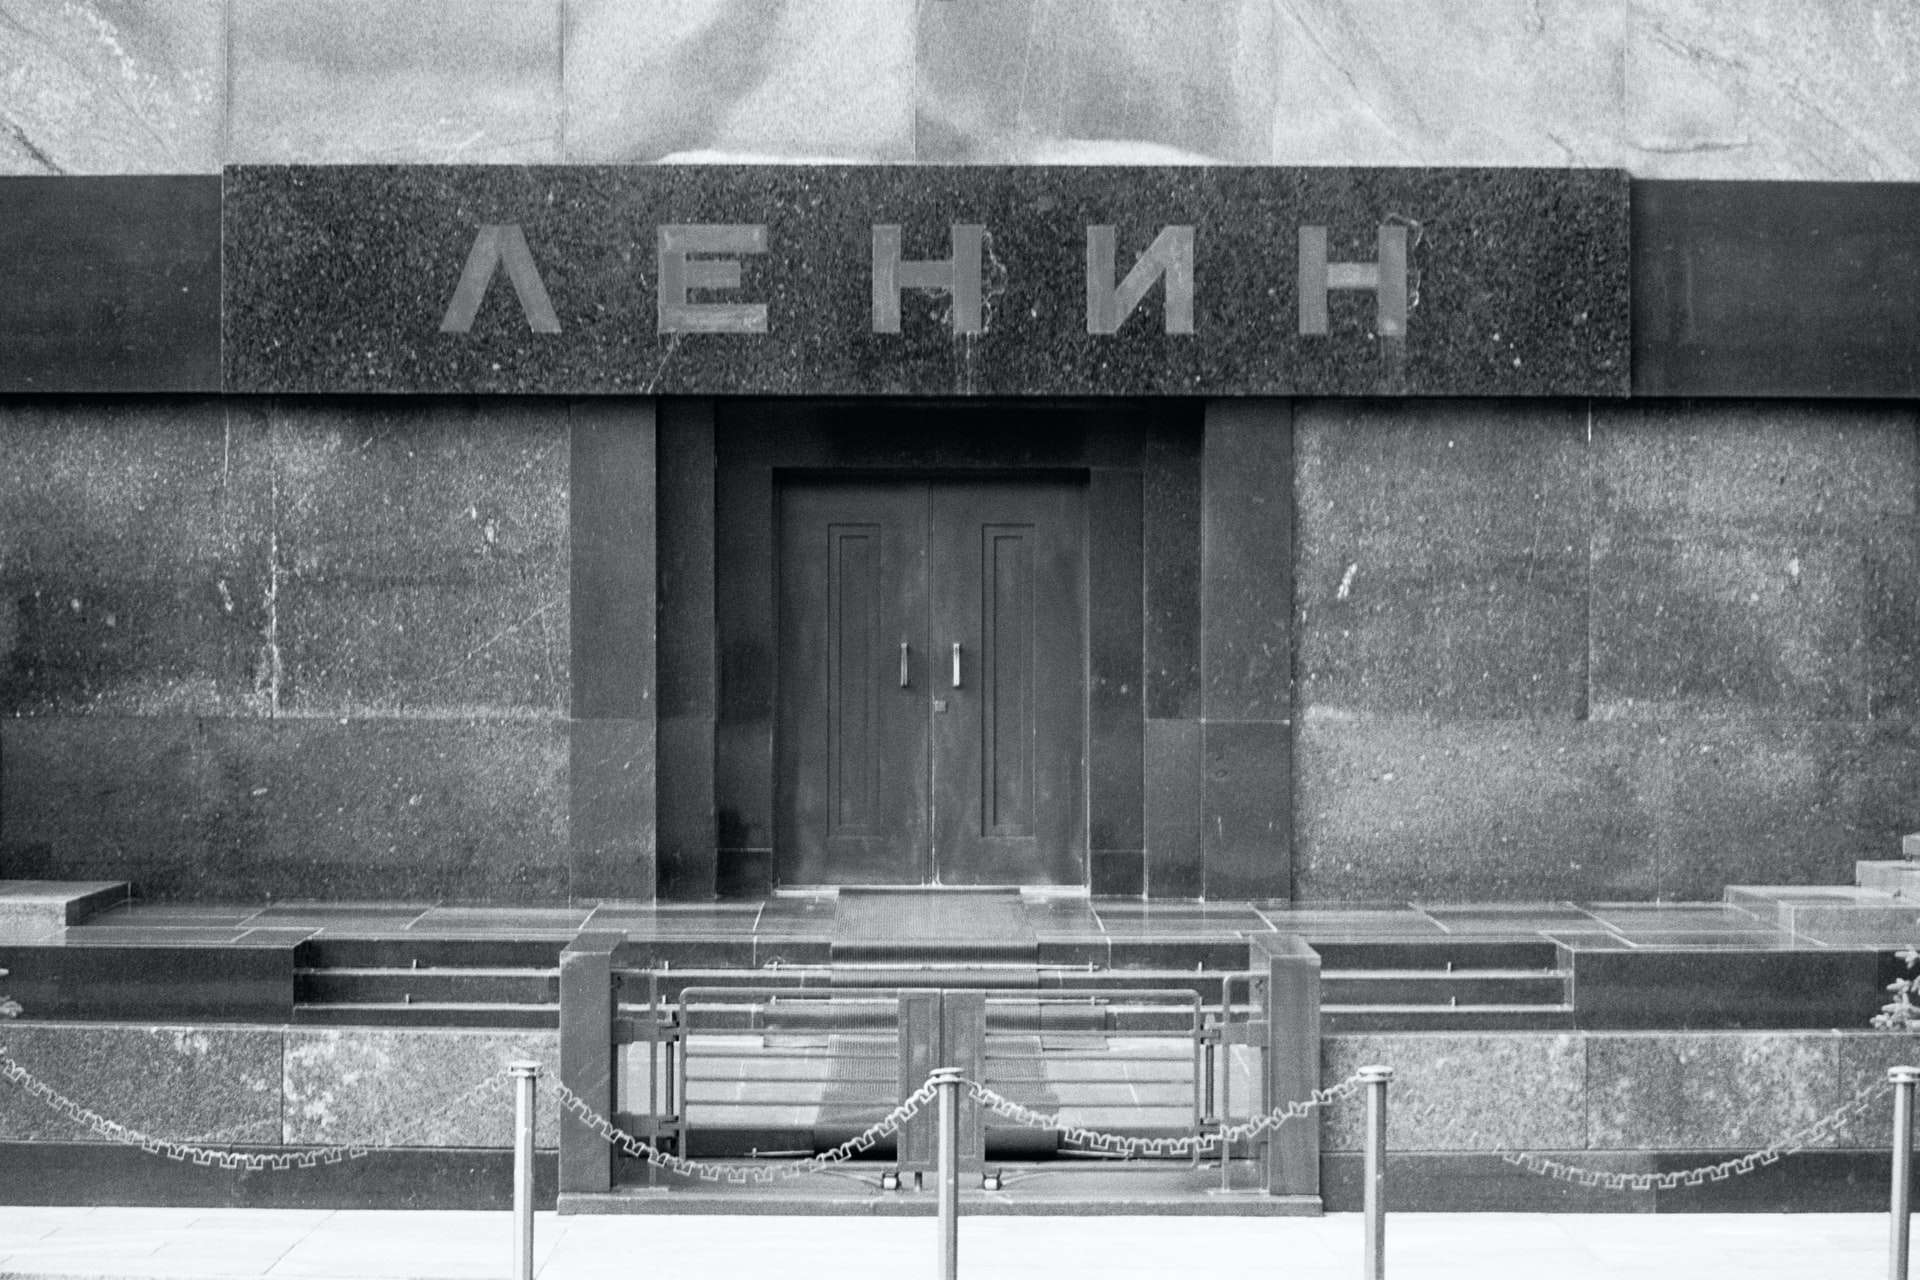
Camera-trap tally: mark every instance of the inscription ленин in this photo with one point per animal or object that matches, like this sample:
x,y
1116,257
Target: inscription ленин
x,y
706,258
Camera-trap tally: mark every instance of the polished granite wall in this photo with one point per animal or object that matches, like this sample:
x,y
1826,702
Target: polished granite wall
x,y
1607,1092
1773,89
257,649
1602,650
277,1086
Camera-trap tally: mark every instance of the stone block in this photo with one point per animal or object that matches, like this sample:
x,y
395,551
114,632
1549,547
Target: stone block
x,y
101,88
1472,811
1247,561
423,559
1023,82
1718,625
431,809
1910,846
38,905
104,798
1864,1058
337,279
1246,812
1442,560
1723,988
1374,83
133,560
1760,801
1172,763
1726,1091
1463,1092
1892,622
735,79
1899,878
1790,91
362,82
1116,699
212,1085
1170,514
612,809
614,579
1670,468
399,1087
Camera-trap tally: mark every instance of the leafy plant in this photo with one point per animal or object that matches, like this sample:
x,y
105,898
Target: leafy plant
x,y
1902,1013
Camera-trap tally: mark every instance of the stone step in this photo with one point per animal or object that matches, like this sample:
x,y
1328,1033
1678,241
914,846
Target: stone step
x,y
1897,877
427,1014
1846,915
1426,987
1443,954
474,986
1339,1019
35,906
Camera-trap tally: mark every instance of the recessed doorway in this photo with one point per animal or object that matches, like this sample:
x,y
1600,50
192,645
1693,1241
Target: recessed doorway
x,y
932,680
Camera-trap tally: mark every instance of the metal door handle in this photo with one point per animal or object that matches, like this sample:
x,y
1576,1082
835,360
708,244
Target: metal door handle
x,y
906,671
956,664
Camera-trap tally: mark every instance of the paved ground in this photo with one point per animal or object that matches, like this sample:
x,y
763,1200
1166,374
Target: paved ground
x,y
315,1244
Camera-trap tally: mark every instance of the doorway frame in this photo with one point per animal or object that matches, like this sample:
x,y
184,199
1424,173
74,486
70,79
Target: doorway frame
x,y
717,616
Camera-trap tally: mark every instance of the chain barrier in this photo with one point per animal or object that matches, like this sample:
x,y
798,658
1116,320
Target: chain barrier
x,y
889,1126
740,1174
213,1157
1191,1144
1801,1139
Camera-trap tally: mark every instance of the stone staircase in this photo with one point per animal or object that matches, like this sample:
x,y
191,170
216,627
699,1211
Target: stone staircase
x,y
1880,909
1443,985
427,982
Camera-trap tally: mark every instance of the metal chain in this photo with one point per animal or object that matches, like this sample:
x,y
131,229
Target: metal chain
x,y
211,1157
1186,1145
1735,1166
740,1174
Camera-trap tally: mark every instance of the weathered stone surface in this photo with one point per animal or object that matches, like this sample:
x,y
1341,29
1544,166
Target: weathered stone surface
x,y
422,559
1464,1092
613,584
1480,810
1667,467
1175,861
1246,823
611,810
1864,1058
1442,559
1749,560
397,1088
1734,1091
1029,82
228,810
340,279
190,1084
100,87
733,77
1377,82
1170,555
133,559
1247,561
361,82
1786,90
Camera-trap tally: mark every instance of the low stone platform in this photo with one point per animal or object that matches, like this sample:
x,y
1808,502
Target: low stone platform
x,y
32,907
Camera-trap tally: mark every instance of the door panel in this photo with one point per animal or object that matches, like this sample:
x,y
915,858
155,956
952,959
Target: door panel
x,y
851,767
932,764
1007,583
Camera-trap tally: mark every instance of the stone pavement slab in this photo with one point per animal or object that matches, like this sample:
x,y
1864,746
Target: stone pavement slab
x,y
245,1244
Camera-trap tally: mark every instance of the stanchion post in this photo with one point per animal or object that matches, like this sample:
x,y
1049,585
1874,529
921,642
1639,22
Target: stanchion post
x,y
524,1076
1375,1196
946,1082
1902,1079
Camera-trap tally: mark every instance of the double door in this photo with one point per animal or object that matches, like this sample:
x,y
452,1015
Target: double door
x,y
932,682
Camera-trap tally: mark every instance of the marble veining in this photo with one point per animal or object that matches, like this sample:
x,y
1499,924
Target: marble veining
x,y
1460,1092
94,86
1772,89
397,1087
